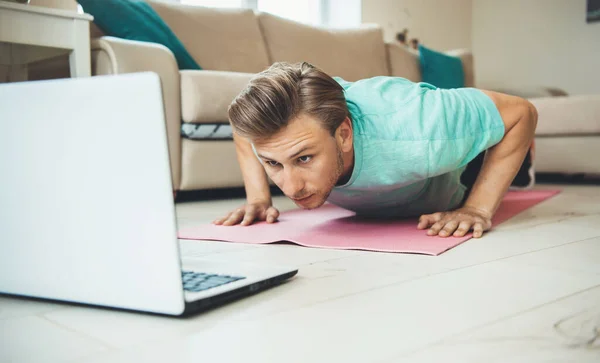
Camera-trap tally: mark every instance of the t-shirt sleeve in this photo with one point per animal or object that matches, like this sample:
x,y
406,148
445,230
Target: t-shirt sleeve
x,y
459,124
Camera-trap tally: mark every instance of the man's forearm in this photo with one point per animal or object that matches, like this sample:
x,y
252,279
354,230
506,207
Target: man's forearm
x,y
502,162
256,183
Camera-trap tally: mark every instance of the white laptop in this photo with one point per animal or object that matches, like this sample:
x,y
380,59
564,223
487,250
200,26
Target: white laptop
x,y
86,205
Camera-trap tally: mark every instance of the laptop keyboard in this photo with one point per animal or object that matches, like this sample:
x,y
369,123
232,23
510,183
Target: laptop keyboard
x,y
199,281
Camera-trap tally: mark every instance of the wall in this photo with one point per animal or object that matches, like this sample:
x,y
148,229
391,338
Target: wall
x,y
439,24
533,43
343,13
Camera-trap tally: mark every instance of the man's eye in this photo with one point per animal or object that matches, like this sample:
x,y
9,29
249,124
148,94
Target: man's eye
x,y
305,159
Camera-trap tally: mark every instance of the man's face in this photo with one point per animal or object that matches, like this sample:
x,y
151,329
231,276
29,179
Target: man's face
x,y
304,160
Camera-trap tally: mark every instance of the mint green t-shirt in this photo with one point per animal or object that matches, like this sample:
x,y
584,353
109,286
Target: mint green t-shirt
x,y
412,141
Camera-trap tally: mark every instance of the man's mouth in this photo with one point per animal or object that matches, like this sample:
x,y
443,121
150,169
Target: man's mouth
x,y
300,200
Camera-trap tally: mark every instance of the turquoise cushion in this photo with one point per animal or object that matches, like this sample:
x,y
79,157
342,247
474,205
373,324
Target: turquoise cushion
x,y
136,20
441,70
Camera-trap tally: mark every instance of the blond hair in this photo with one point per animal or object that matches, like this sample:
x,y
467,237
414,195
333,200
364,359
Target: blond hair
x,y
281,93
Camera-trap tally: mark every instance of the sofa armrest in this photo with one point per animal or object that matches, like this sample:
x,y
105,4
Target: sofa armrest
x,y
466,56
111,55
206,95
530,92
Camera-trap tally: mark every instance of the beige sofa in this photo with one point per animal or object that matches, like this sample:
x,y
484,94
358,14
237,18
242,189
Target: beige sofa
x,y
232,45
567,138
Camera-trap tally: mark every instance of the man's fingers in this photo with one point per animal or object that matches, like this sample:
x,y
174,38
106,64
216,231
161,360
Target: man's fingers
x,y
427,220
221,220
463,228
477,230
272,214
437,216
249,216
234,217
424,222
449,228
434,230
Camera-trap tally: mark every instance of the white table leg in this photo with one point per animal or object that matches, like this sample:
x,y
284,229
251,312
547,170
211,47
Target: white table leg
x,y
80,59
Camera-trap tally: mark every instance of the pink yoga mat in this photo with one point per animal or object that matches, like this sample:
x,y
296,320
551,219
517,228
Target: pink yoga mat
x,y
337,228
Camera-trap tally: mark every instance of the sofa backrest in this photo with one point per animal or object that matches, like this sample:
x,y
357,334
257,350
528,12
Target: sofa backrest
x,y
217,39
349,53
241,40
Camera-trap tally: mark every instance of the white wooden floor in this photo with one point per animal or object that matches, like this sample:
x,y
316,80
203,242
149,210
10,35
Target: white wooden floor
x,y
527,292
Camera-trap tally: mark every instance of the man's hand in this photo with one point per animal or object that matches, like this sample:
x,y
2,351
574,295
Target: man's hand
x,y
458,222
249,213
258,195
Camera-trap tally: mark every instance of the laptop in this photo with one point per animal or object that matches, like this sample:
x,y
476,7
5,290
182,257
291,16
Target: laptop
x,y
87,214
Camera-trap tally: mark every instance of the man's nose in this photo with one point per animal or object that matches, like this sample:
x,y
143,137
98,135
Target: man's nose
x,y
292,182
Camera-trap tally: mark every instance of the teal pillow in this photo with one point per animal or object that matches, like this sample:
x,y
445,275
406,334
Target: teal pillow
x,y
441,70
136,20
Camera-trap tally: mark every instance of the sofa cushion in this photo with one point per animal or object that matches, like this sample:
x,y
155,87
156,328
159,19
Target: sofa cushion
x,y
441,70
571,115
136,20
218,39
531,91
466,58
206,95
404,62
352,54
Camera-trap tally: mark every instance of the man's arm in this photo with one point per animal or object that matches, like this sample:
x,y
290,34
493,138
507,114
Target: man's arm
x,y
500,166
258,195
502,161
256,183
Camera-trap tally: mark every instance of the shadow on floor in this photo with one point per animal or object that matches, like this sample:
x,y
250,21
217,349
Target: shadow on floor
x,y
235,193
567,179
217,194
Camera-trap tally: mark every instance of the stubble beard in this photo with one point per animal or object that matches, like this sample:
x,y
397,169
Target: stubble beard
x,y
333,179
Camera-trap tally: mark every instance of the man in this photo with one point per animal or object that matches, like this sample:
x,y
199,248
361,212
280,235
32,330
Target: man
x,y
384,147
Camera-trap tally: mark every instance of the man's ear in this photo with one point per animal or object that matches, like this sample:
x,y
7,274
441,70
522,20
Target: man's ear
x,y
344,135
